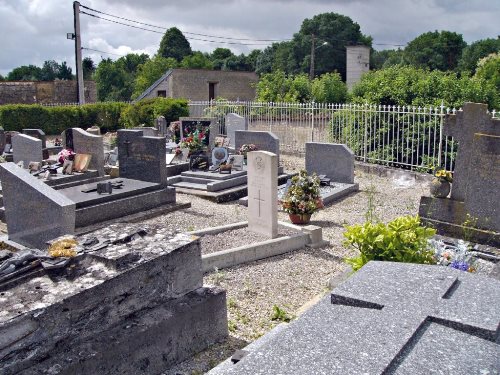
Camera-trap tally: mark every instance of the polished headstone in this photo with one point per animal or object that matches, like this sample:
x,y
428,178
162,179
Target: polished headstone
x,y
336,161
37,133
26,149
34,212
263,193
82,142
265,141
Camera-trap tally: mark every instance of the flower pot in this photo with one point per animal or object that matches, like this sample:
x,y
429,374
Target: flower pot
x,y
300,219
439,188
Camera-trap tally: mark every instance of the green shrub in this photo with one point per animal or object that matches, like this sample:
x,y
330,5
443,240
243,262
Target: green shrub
x,y
109,116
145,111
402,240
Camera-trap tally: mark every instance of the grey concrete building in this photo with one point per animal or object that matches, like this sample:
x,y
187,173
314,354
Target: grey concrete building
x,y
202,84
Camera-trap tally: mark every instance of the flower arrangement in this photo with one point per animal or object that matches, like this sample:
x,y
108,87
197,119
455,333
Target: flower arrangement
x,y
458,257
303,196
65,154
443,175
194,141
246,148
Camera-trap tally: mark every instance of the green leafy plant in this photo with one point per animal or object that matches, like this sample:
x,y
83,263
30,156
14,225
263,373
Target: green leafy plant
x,y
401,240
280,314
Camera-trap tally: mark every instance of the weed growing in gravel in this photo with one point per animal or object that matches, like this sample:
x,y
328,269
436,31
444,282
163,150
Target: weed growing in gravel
x,y
280,314
231,326
219,276
370,215
190,228
248,289
242,318
231,303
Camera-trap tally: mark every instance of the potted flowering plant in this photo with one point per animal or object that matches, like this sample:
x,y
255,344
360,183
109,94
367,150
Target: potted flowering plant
x,y
440,184
302,198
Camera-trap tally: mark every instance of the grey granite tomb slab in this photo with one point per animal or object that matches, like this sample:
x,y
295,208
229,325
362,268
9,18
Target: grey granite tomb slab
x,y
141,158
233,123
37,133
265,141
26,148
390,318
34,212
336,161
82,142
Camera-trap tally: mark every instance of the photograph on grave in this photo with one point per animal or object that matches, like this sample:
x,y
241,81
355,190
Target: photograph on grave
x,y
219,155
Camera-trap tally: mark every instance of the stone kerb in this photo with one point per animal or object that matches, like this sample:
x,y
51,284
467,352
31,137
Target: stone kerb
x,y
26,149
265,141
336,161
141,158
34,212
263,193
233,123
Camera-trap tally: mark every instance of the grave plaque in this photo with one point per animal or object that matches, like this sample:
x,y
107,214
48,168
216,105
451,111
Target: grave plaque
x,y
265,141
34,212
27,149
219,155
198,162
234,122
335,161
141,158
263,193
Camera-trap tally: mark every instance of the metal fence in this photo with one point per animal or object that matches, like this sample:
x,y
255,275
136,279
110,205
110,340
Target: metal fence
x,y
408,137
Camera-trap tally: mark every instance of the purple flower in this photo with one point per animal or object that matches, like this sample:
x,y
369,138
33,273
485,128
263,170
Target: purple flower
x,y
463,266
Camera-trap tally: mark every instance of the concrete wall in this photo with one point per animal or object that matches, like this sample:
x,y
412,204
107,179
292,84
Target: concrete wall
x,y
31,92
194,84
358,62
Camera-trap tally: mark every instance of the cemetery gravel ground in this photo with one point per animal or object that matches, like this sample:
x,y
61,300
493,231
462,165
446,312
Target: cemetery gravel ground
x,y
290,280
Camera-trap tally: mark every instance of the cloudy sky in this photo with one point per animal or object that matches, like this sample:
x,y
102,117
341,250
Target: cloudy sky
x,y
33,31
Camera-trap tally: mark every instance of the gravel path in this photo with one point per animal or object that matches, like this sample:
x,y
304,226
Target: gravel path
x,y
290,280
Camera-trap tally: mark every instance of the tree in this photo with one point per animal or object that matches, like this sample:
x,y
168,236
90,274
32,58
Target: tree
x,y
25,73
252,59
386,58
64,72
111,82
334,29
88,68
174,44
476,51
488,69
329,88
197,60
435,50
151,71
2,78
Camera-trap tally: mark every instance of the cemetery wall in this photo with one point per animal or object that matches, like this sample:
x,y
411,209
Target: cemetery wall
x,y
31,92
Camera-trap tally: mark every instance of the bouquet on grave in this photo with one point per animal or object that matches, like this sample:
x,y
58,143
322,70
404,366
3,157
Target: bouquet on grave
x,y
303,196
443,175
65,154
246,148
194,141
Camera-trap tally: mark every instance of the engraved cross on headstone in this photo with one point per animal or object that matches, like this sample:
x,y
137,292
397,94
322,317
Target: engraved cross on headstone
x,y
259,199
474,118
409,301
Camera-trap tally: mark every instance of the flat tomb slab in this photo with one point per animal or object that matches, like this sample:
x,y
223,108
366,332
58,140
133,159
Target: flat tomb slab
x,y
130,187
214,176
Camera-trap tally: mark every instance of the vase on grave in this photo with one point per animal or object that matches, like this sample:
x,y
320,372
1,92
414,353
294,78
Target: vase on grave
x,y
439,188
300,219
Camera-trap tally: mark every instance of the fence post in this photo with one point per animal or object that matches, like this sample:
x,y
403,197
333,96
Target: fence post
x,y
312,121
365,137
441,115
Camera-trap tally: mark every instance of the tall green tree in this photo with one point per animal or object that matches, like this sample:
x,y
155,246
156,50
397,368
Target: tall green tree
x,y
111,82
488,69
151,71
197,60
88,67
435,50
174,44
25,73
2,78
476,51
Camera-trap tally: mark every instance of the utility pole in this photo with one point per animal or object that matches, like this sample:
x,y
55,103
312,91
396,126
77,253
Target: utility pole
x,y
78,53
311,70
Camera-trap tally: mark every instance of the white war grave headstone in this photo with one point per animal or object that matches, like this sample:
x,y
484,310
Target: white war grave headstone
x,y
263,193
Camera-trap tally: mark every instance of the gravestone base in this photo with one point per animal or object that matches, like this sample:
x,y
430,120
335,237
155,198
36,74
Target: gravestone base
x,y
130,308
177,169
448,217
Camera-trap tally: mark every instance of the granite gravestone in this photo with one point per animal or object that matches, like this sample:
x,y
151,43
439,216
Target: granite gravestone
x,y
95,130
82,142
161,126
36,133
147,131
141,158
234,122
389,318
476,185
263,193
34,212
336,161
2,139
265,141
26,149
190,124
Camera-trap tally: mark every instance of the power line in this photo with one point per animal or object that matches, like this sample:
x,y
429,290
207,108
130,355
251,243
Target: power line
x,y
96,50
184,32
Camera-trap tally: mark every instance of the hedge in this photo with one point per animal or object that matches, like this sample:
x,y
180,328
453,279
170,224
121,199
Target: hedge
x,y
109,116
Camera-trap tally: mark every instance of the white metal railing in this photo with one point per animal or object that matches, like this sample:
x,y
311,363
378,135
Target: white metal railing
x,y
408,137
